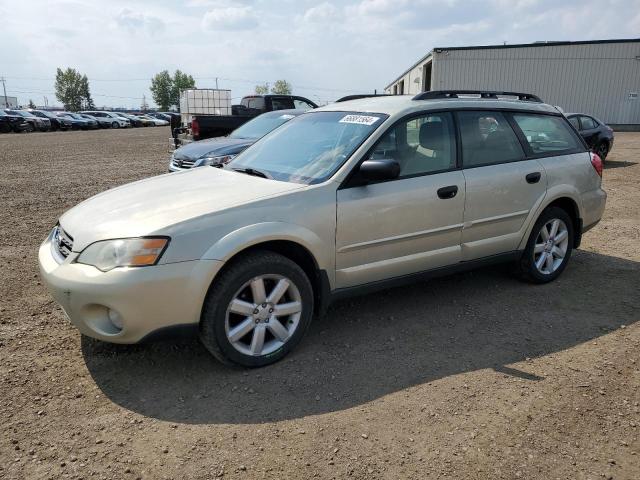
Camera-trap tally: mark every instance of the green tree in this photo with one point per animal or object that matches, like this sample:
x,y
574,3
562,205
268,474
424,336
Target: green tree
x,y
162,89
87,101
31,104
70,88
262,89
281,87
181,81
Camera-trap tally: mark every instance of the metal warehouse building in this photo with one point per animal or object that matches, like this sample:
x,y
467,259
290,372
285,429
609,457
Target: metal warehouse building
x,y
600,77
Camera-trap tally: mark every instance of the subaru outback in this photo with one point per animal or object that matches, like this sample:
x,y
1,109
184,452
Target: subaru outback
x,y
345,199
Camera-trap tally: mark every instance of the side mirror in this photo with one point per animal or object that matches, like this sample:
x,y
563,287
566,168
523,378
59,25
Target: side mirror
x,y
376,170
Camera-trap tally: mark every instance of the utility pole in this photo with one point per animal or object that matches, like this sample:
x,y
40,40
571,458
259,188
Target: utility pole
x,y
4,87
216,83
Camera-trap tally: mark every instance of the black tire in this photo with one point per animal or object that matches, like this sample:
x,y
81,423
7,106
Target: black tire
x,y
527,268
115,125
602,149
30,127
214,313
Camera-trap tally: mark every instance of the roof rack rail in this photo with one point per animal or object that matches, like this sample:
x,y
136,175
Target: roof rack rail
x,y
363,95
488,94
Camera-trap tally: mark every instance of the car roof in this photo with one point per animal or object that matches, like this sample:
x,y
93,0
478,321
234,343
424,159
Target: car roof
x,y
290,111
394,105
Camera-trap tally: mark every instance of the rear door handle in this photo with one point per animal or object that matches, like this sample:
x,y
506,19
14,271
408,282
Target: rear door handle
x,y
448,192
533,177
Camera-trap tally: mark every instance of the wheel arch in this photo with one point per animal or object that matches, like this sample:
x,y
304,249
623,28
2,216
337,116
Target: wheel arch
x,y
570,206
569,201
296,243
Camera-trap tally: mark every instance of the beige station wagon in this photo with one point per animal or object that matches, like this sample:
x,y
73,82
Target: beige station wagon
x,y
348,198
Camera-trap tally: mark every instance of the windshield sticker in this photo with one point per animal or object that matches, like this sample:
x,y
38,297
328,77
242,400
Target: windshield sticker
x,y
287,117
359,119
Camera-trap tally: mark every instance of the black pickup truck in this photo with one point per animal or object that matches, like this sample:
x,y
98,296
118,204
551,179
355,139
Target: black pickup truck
x,y
209,126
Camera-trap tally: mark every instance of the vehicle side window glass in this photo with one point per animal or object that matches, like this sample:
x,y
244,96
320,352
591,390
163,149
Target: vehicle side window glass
x,y
546,133
574,121
487,139
301,104
587,123
256,103
421,145
281,103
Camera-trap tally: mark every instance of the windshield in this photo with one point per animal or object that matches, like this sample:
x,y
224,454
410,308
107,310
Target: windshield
x,y
261,125
309,148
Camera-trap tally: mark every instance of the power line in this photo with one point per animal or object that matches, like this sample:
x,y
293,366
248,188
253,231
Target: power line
x,y
229,79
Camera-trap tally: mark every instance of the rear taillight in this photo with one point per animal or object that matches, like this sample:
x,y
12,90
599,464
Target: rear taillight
x,y
596,161
195,128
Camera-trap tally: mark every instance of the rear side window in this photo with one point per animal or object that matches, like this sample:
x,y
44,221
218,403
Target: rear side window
x,y
574,121
588,123
487,139
257,102
547,133
281,103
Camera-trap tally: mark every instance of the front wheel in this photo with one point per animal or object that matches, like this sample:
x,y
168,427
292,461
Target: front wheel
x,y
549,247
115,125
257,311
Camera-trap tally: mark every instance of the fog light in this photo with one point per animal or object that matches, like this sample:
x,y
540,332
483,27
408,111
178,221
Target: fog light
x,y
116,319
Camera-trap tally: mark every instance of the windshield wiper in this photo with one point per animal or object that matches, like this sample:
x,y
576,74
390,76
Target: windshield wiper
x,y
251,171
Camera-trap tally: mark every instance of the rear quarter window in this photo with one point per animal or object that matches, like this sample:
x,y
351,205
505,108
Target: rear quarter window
x,y
547,134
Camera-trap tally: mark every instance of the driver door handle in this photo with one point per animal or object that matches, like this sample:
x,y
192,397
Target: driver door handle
x,y
448,192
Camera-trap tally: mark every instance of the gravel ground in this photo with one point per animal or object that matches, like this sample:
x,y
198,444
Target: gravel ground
x,y
474,376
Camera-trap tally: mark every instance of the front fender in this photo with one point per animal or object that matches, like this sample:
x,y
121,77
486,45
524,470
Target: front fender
x,y
232,243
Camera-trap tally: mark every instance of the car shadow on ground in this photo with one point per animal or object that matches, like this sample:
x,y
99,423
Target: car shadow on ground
x,y
378,344
611,164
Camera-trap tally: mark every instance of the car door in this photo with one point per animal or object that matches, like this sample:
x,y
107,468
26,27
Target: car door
x,y
410,224
589,129
502,186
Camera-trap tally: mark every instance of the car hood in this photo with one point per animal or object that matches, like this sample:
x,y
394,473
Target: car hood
x,y
153,205
215,146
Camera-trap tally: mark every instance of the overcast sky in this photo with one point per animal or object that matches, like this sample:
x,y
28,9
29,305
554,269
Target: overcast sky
x,y
324,49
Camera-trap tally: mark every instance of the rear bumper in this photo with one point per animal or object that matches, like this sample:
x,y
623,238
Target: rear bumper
x,y
593,204
145,299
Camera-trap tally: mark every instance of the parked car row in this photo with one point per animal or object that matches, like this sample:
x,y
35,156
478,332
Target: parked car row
x,y
32,120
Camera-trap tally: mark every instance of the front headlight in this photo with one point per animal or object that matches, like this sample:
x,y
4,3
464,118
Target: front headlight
x,y
127,252
215,161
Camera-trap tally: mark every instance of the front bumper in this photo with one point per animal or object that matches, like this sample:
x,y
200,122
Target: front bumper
x,y
144,299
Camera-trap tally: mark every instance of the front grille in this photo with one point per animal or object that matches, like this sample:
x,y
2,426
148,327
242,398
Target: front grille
x,y
62,242
182,162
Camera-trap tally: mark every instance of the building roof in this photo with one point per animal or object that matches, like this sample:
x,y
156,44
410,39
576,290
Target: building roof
x,y
515,45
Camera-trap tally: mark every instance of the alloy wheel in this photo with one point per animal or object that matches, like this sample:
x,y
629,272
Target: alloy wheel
x,y
263,315
551,246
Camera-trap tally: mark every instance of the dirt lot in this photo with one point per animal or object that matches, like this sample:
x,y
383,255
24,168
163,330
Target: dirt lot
x,y
475,376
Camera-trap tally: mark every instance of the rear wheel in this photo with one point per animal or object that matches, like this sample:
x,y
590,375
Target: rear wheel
x,y
257,311
602,149
549,247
